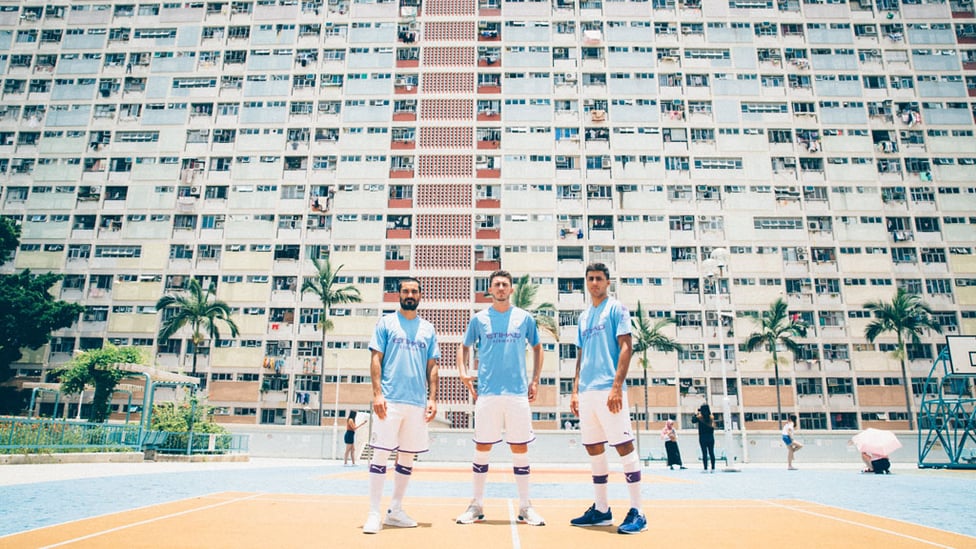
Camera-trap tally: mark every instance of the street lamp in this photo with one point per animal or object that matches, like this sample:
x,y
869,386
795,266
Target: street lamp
x,y
714,268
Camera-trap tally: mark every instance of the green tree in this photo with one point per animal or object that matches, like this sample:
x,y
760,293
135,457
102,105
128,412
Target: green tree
x,y
9,238
325,286
777,326
99,368
544,314
178,417
197,308
907,316
28,311
647,337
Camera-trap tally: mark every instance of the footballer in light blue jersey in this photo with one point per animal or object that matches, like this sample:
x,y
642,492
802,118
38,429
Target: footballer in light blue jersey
x,y
403,376
407,345
503,393
605,345
501,338
596,336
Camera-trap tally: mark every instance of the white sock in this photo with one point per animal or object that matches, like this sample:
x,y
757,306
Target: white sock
x,y
401,476
479,473
520,466
632,472
600,468
377,475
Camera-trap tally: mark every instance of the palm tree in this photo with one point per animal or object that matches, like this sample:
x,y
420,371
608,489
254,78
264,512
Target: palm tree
x,y
544,314
650,337
325,286
907,316
197,308
777,326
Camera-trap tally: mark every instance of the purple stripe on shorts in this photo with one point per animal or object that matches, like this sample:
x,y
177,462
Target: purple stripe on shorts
x,y
521,470
378,469
600,479
633,477
402,469
479,468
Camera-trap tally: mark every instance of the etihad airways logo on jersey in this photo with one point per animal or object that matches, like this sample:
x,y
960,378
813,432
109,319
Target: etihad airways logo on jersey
x,y
594,330
503,337
404,342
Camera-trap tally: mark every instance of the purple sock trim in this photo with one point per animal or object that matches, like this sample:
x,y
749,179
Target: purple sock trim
x,y
600,479
521,470
378,469
479,468
403,470
633,477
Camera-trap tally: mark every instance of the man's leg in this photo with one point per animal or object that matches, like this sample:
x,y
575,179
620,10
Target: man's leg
x,y
401,477
632,472
520,466
479,472
600,468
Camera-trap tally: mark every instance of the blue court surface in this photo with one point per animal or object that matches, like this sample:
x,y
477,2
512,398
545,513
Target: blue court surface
x,y
38,496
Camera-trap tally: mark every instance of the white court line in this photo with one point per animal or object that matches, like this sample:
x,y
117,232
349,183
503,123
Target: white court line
x,y
513,520
149,521
862,525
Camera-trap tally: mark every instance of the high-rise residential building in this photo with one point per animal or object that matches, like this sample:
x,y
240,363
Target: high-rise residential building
x,y
828,146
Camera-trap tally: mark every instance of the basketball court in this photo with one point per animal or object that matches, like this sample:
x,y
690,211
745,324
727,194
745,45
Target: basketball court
x,y
281,519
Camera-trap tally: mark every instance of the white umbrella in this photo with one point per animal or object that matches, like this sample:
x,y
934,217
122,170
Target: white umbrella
x,y
876,442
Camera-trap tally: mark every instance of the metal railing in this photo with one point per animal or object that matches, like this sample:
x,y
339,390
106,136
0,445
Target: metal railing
x,y
20,435
30,436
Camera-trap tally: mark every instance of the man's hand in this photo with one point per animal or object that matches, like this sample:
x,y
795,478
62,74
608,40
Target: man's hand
x,y
468,382
574,404
615,402
431,411
379,406
533,390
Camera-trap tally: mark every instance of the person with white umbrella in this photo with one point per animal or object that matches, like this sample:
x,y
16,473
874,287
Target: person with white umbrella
x,y
875,446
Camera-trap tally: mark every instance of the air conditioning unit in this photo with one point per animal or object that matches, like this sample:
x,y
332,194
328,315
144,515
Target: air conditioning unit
x,y
713,354
480,217
698,382
575,188
195,191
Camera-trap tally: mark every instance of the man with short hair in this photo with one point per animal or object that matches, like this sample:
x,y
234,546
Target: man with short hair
x,y
403,371
600,399
503,393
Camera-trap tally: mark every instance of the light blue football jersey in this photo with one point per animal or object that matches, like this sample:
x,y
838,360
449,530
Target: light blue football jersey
x,y
406,345
596,336
501,339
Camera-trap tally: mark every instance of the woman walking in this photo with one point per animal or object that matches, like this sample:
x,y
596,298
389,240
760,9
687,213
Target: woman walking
x,y
706,434
350,439
670,437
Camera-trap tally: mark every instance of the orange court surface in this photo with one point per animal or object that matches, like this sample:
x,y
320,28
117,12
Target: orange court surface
x,y
273,518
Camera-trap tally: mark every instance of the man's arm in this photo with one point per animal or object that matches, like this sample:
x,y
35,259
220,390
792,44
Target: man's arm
x,y
432,377
537,357
615,400
462,365
574,400
376,376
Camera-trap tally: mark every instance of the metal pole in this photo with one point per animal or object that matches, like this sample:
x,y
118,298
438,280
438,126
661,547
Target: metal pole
x,y
335,412
726,405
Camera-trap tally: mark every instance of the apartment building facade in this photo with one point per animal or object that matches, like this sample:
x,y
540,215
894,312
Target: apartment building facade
x,y
828,146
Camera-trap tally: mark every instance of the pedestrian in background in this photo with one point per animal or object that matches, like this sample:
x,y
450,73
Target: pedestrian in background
x,y
706,434
670,437
789,439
